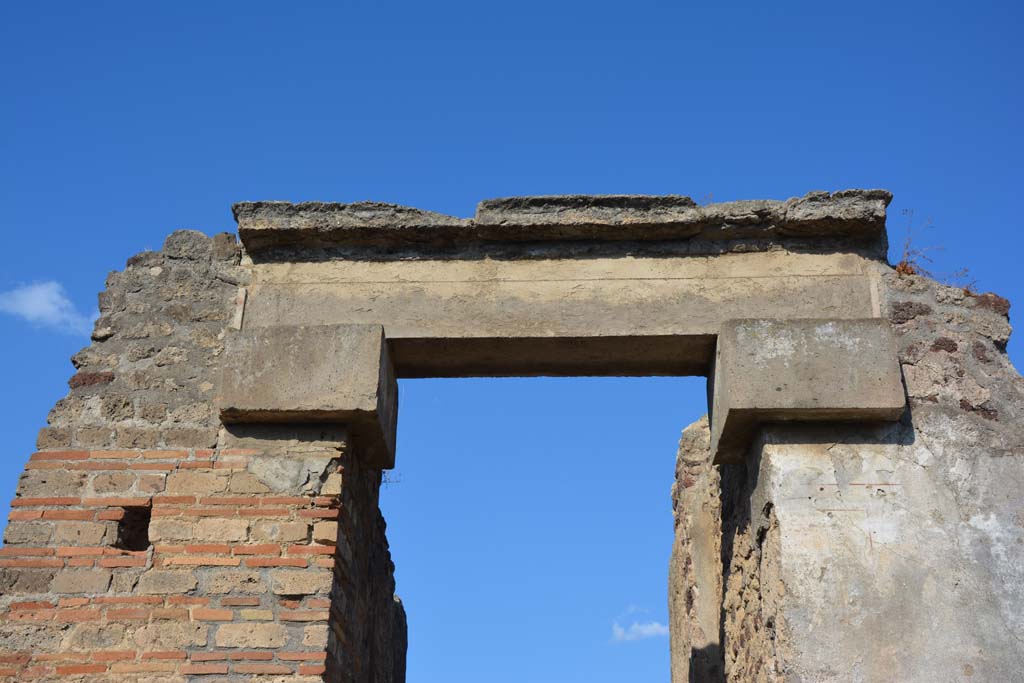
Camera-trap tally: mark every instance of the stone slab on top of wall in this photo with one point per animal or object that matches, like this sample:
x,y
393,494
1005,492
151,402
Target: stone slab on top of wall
x,y
858,214
562,285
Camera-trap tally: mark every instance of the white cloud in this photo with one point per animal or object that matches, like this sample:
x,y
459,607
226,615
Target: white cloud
x,y
638,631
45,304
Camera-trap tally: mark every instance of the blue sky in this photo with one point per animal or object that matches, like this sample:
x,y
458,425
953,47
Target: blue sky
x,y
521,541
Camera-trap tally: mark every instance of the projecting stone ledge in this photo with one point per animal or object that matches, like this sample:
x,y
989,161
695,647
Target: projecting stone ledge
x,y
335,374
849,214
798,371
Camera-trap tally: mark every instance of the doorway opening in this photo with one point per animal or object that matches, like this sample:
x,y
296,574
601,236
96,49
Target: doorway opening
x,y
530,523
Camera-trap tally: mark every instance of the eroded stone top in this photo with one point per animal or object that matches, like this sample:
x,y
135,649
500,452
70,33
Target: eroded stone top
x,y
851,214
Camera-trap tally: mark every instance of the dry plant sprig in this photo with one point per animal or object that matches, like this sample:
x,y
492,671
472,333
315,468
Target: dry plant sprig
x,y
914,257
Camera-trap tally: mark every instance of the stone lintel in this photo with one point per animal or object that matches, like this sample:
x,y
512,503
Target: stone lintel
x,y
850,214
800,370
338,374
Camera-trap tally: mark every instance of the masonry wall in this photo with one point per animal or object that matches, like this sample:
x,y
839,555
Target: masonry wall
x,y
868,553
147,543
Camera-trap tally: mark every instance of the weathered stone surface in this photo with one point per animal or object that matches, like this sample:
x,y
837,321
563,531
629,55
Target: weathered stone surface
x,y
251,635
851,213
695,567
834,552
267,224
81,581
164,581
220,582
325,532
80,533
339,374
585,314
221,530
868,552
165,636
292,582
801,370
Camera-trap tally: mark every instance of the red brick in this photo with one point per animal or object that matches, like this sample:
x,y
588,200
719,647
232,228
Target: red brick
x,y
165,455
240,602
312,669
119,455
209,656
60,455
36,502
251,655
302,656
89,379
130,600
118,502
163,655
174,500
320,514
311,550
285,500
208,548
32,564
128,614
264,512
229,500
96,466
148,466
76,551
19,551
261,669
23,515
196,465
187,600
81,669
170,614
276,562
123,562
262,549
35,604
204,668
70,515
187,561
210,614
77,615
114,656
304,615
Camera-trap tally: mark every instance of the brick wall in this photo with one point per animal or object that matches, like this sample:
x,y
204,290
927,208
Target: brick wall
x,y
148,543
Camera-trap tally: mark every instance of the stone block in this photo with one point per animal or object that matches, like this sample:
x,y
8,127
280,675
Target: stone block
x,y
219,530
800,370
166,581
81,581
267,225
79,533
221,582
298,582
167,529
325,532
171,635
189,482
251,635
339,374
32,533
